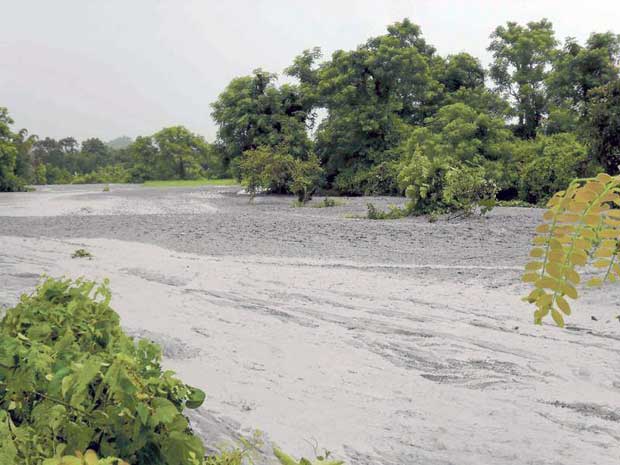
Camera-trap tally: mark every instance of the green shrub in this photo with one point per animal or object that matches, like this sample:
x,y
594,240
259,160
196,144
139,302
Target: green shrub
x,y
266,169
82,253
71,380
550,164
305,177
380,179
105,175
441,184
55,175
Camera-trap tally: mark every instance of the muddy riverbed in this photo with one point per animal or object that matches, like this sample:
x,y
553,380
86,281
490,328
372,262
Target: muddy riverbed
x,y
387,342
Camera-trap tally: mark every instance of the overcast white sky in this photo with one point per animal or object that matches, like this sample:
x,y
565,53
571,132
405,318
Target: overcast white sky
x,y
105,68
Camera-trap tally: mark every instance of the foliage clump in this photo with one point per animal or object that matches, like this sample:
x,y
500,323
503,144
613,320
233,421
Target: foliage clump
x,y
82,253
266,170
436,186
71,380
580,228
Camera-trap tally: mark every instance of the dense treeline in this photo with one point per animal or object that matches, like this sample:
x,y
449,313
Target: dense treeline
x,y
172,153
399,118
390,117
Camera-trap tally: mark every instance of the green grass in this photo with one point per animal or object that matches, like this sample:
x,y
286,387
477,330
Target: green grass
x,y
191,183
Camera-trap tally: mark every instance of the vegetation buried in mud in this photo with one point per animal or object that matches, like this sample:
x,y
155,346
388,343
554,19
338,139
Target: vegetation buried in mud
x,y
82,253
581,227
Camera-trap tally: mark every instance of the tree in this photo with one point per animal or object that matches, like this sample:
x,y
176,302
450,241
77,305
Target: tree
x,y
8,154
253,112
305,177
604,126
461,135
371,95
522,56
460,71
579,69
550,163
265,169
24,164
172,153
274,170
99,151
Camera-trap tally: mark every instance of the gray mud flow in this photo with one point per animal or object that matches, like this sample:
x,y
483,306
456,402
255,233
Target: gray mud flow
x,y
386,342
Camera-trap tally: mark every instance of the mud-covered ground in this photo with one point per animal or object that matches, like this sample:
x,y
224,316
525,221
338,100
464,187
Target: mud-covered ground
x,y
387,342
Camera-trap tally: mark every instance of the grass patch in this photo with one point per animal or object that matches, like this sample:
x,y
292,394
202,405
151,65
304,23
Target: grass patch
x,y
191,183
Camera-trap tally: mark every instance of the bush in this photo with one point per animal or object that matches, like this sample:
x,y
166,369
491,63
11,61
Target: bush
x,y
441,184
71,380
603,125
380,179
550,164
55,175
305,177
82,253
266,169
104,175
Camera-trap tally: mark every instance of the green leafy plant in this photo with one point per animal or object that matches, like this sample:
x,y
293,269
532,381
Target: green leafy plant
x,y
305,177
106,188
82,253
271,170
441,184
264,169
72,380
581,227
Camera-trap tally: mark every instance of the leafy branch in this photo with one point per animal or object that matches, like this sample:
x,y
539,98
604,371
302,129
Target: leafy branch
x,y
580,228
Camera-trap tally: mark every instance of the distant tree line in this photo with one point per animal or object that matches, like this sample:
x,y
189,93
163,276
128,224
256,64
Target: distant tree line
x,y
172,153
389,117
